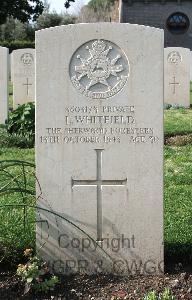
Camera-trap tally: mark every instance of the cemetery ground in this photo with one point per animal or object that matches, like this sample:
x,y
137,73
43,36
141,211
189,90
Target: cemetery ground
x,y
17,226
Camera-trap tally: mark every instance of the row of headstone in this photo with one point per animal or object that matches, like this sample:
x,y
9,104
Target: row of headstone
x,y
177,75
20,65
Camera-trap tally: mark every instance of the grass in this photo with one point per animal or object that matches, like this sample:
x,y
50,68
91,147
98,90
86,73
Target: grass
x,y
16,153
10,95
177,194
17,226
178,122
166,295
178,200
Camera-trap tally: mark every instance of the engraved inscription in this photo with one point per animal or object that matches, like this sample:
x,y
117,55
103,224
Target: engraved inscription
x,y
27,84
27,59
174,57
99,69
99,125
174,84
99,183
24,72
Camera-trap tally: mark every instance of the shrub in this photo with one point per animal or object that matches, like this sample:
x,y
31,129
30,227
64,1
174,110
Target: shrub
x,y
177,106
36,274
166,295
173,106
167,106
17,44
21,123
8,140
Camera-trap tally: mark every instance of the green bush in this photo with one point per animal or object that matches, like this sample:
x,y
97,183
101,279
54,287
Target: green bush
x,y
17,44
21,122
102,4
8,140
36,274
166,295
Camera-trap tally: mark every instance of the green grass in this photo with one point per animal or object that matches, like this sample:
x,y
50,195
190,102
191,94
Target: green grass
x,y
178,200
178,186
10,95
191,92
17,226
16,153
166,295
177,194
178,121
177,191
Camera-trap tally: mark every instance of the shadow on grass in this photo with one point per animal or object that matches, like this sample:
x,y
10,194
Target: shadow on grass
x,y
178,258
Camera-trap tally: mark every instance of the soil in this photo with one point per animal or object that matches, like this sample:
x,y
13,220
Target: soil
x,y
100,287
178,140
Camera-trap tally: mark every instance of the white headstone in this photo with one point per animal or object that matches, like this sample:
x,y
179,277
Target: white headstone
x,y
3,84
23,73
11,66
190,65
99,148
177,76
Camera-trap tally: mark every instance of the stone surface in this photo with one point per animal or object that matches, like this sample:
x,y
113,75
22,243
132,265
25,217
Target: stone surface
x,y
190,65
23,76
3,84
177,76
11,67
99,148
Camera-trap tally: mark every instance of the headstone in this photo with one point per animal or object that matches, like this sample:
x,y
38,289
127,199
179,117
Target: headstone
x,y
99,148
3,84
11,66
190,65
177,76
23,73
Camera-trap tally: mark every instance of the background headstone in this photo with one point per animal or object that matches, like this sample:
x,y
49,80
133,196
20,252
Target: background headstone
x,y
177,76
3,84
99,148
23,76
190,65
11,66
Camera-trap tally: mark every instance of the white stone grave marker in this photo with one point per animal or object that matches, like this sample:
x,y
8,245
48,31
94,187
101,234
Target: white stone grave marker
x,y
177,76
3,84
99,148
190,65
23,76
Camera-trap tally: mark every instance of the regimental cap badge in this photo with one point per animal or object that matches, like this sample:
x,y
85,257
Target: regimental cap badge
x,y
174,57
27,59
99,69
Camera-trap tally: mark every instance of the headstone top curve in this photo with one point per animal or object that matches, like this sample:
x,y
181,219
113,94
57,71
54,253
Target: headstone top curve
x,y
99,25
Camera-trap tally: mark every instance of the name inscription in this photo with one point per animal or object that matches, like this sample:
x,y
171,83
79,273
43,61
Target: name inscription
x,y
93,124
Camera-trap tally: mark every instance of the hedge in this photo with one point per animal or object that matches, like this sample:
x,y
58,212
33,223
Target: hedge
x,y
14,45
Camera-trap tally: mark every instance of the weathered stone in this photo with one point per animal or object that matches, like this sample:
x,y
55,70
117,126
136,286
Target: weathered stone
x,y
177,76
99,148
3,84
190,65
23,76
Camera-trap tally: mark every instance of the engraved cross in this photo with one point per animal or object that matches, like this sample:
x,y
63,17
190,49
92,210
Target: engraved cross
x,y
174,83
27,85
99,183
